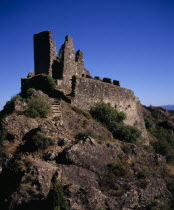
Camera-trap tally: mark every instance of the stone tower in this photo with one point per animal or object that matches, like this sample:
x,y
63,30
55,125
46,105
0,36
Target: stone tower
x,y
44,52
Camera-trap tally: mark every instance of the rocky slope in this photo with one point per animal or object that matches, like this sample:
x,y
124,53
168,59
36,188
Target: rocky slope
x,y
79,171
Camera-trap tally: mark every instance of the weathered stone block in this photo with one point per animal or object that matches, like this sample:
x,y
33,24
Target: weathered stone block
x,y
97,77
116,82
107,80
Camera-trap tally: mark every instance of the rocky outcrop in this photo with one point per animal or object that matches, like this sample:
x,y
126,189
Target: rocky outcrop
x,y
19,125
95,175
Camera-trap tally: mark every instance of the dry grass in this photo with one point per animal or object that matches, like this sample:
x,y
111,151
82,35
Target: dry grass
x,y
170,169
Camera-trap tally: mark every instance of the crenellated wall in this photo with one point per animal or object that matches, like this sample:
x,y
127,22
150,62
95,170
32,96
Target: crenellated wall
x,y
88,92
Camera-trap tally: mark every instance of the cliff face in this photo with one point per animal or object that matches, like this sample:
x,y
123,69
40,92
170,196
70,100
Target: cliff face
x,y
94,172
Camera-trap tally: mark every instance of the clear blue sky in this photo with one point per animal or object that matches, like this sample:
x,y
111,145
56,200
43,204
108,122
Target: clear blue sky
x,y
128,40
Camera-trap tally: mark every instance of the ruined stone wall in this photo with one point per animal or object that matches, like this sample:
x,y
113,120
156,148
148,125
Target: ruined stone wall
x,y
80,68
67,57
88,92
44,52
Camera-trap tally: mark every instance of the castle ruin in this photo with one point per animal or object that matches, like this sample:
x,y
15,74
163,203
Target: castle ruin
x,y
67,69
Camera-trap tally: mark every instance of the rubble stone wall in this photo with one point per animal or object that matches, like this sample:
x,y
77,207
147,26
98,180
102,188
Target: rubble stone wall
x,y
88,92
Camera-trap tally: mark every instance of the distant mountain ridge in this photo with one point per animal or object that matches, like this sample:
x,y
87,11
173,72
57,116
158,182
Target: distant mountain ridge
x,y
168,107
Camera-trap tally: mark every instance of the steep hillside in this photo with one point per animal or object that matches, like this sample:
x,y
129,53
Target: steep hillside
x,y
55,156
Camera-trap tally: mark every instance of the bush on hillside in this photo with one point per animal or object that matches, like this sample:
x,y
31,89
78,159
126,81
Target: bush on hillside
x,y
9,106
37,107
113,120
3,135
37,142
107,115
57,198
126,133
42,82
160,125
87,134
30,91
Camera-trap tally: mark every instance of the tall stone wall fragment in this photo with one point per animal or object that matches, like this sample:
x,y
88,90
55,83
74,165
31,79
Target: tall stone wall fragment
x,y
67,57
44,52
81,71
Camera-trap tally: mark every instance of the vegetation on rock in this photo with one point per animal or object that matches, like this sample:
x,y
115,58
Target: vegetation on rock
x,y
113,120
41,82
87,134
37,141
37,107
9,106
57,199
159,124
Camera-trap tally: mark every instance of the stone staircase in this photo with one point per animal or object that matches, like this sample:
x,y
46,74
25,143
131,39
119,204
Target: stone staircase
x,y
56,108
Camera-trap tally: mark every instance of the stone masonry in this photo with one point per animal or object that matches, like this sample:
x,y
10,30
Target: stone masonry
x,y
63,66
44,52
88,92
67,68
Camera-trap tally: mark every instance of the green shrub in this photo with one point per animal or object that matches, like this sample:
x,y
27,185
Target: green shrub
x,y
87,134
149,123
144,174
37,142
108,180
3,135
164,148
41,82
37,107
57,198
126,133
107,115
30,91
113,120
9,106
118,169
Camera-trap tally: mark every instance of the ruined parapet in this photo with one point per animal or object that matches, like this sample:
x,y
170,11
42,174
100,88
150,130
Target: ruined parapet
x,y
107,80
116,82
97,78
44,52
